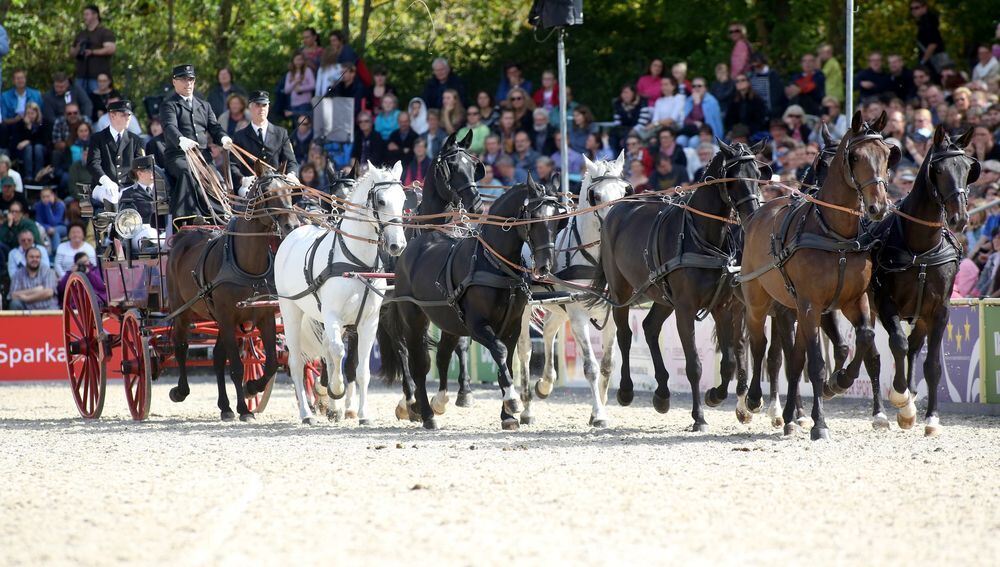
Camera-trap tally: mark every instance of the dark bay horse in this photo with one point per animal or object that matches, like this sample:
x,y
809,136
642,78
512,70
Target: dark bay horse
x,y
467,287
684,268
915,266
208,274
807,255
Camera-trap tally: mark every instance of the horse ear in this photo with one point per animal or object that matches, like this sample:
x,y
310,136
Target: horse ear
x,y
450,140
353,174
827,137
620,162
880,123
965,139
729,151
397,170
857,122
590,166
758,147
467,140
939,134
258,168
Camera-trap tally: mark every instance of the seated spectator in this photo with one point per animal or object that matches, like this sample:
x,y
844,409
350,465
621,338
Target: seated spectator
x,y
968,270
542,133
987,67
722,87
329,72
320,160
379,88
581,127
418,115
299,85
631,112
25,233
668,147
555,118
872,81
545,168
635,151
505,129
488,184
441,80
435,136
401,140
29,139
302,138
235,117
50,216
311,48
834,120
521,104
77,175
983,145
33,284
574,159
308,176
637,176
506,173
14,100
62,93
492,151
666,176
649,86
99,98
524,156
513,77
901,78
9,196
74,215
76,244
701,108
218,95
794,119
984,285
768,85
350,86
547,96
368,145
706,152
679,72
452,112
479,130
598,147
668,112
64,128
420,164
387,121
83,263
901,183
808,87
746,107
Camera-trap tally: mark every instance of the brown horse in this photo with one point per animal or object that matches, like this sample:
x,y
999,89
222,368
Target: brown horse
x,y
807,255
209,274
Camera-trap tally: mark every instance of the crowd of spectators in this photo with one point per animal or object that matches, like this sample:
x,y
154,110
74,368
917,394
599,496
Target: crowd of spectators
x,y
665,119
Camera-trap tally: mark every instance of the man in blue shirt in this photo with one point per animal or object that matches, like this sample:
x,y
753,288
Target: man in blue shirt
x,y
14,99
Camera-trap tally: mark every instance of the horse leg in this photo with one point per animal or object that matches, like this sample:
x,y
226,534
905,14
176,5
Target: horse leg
x,y
333,334
793,415
859,315
364,341
779,339
554,321
692,362
907,416
932,371
873,365
181,391
626,390
580,326
349,366
758,304
652,326
227,338
292,318
522,371
464,397
482,332
445,348
269,336
808,318
832,331
608,359
729,327
219,365
420,361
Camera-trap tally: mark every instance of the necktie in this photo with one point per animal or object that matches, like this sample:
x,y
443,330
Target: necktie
x,y
260,136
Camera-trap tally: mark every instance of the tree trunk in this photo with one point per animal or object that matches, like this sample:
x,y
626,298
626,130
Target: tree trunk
x,y
345,18
223,29
4,8
170,26
366,12
835,32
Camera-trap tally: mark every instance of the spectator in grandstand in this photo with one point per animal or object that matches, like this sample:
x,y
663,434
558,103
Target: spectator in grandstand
x,y
92,48
524,156
351,86
637,176
740,56
300,83
983,145
218,95
379,88
50,215
480,131
62,93
901,183
320,160
968,271
630,113
581,127
418,115
9,194
506,173
67,251
723,87
706,151
33,285
488,110
668,112
4,47
25,232
930,44
505,129
513,77
541,133
420,164
30,139
555,117
701,108
666,174
668,147
84,264
574,159
746,107
235,118
99,98
679,72
872,81
636,152
987,66
546,170
399,144
808,87
65,127
794,118
453,112
832,72
14,100
984,285
441,80
311,48
368,145
387,120
648,86
766,82
522,105
547,95
492,151
901,78
435,134
598,147
834,120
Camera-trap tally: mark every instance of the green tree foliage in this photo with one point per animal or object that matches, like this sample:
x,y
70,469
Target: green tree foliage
x,y
258,37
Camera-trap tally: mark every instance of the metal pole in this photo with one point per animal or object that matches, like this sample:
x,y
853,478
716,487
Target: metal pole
x,y
849,55
564,120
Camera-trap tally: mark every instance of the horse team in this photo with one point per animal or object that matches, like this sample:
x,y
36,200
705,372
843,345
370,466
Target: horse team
x,y
837,248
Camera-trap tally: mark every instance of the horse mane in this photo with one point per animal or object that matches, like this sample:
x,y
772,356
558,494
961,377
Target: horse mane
x,y
514,195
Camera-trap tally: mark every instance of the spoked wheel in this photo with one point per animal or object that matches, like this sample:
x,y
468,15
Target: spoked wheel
x,y
136,367
85,356
252,349
311,376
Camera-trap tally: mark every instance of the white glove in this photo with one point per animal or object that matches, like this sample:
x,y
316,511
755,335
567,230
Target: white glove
x,y
227,143
187,144
293,179
245,185
106,193
106,181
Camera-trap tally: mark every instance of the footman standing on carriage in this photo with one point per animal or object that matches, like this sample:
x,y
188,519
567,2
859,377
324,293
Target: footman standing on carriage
x,y
267,142
112,152
142,197
188,122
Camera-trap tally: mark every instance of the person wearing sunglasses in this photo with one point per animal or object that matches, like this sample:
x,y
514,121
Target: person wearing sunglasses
x,y
739,57
700,109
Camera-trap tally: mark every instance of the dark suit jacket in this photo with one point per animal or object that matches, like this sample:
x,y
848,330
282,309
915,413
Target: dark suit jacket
x,y
111,159
197,123
276,151
135,197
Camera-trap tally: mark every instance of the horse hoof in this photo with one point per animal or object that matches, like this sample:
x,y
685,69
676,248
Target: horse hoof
x,y
754,405
805,422
334,415
401,413
350,414
527,419
933,427
598,423
228,415
509,424
429,423
819,433
364,422
439,403
699,427
178,395
464,400
828,392
336,396
249,389
543,391
512,406
905,422
792,429
247,417
414,413
899,400
710,399
309,421
625,397
777,422
661,405
880,422
743,416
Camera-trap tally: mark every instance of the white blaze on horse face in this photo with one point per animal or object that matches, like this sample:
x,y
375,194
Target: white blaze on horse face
x,y
393,200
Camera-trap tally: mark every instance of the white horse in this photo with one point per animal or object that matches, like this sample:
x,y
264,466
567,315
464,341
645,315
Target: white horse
x,y
577,254
319,308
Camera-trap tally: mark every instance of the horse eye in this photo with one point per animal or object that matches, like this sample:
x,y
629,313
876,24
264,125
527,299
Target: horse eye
x,y
381,202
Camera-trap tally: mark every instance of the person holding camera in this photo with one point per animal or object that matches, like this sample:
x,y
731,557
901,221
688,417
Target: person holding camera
x,y
82,264
33,285
92,48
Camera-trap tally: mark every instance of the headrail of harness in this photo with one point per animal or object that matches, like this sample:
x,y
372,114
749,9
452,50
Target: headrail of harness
x,y
589,270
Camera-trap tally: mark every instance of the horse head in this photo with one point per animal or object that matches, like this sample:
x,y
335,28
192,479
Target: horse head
x,y
269,203
947,171
865,160
455,172
380,193
739,162
603,183
341,184
539,207
821,165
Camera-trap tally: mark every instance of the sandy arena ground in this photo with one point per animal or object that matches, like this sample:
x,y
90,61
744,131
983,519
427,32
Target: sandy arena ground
x,y
186,489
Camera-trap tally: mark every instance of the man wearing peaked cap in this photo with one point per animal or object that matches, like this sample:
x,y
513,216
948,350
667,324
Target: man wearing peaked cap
x,y
268,142
188,124
112,151
141,197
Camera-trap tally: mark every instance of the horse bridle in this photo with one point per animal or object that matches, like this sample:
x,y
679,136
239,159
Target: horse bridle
x,y
455,198
860,187
752,195
959,192
371,204
529,207
594,182
260,194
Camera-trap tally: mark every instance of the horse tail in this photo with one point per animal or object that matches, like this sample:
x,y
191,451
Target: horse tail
x,y
390,341
597,286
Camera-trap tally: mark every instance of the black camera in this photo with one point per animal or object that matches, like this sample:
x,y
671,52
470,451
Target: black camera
x,y
83,46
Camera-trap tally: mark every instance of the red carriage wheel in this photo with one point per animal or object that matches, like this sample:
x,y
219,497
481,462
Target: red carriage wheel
x,y
85,347
136,367
253,369
311,376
